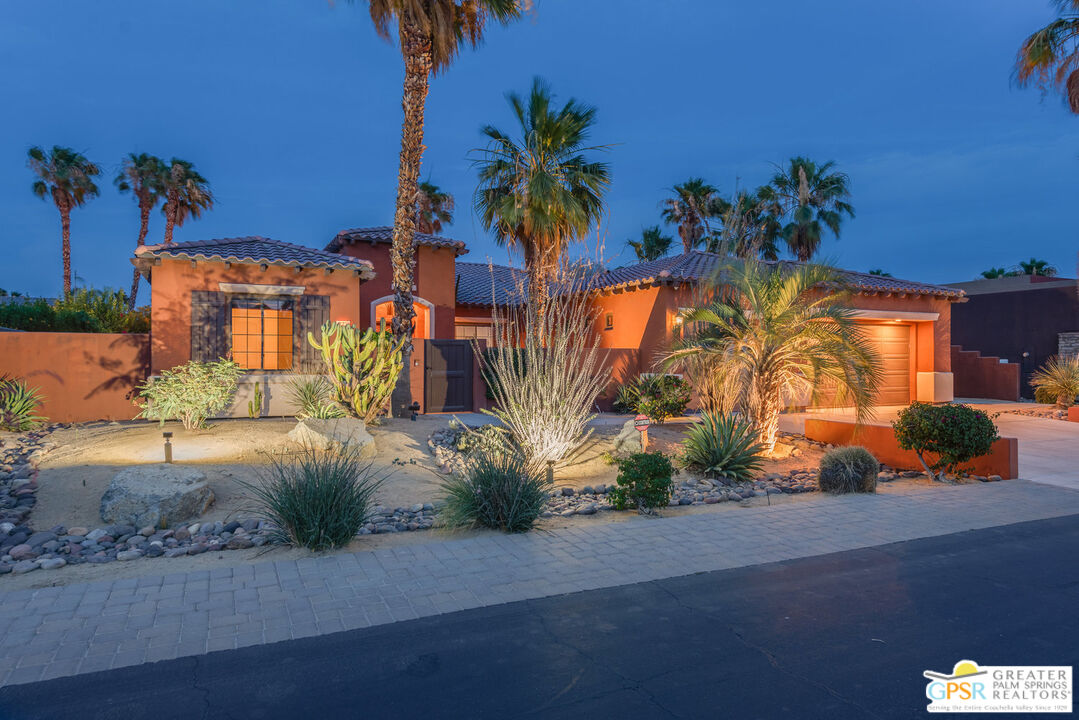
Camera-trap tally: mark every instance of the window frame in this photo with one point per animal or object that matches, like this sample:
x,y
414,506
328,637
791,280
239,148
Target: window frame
x,y
289,301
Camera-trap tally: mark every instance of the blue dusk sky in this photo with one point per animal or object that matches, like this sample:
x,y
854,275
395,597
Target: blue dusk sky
x,y
292,109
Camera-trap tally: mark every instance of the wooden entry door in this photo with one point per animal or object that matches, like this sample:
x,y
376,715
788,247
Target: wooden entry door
x,y
447,376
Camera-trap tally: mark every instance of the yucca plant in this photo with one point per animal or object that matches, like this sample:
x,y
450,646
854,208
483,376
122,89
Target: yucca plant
x,y
317,499
18,405
313,398
497,490
1057,381
722,445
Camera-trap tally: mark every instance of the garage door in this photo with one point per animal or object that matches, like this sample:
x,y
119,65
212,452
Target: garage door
x,y
893,344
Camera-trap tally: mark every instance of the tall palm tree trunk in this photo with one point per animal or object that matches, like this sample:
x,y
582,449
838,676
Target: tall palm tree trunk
x,y
416,49
65,246
144,227
170,222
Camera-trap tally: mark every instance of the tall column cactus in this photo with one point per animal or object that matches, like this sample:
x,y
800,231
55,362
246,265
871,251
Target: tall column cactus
x,y
363,366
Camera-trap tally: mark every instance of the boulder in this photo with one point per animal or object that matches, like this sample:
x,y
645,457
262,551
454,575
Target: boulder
x,y
628,440
155,495
325,434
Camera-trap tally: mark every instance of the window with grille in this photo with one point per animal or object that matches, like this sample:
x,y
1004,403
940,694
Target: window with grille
x,y
262,333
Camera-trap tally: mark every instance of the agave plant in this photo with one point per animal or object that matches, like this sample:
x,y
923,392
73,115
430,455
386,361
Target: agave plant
x,y
313,398
722,445
1057,381
18,403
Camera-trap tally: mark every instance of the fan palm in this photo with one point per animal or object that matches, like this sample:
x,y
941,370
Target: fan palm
x,y
693,204
880,273
143,176
652,245
748,228
67,177
431,33
1034,266
1050,57
187,194
998,272
540,192
778,332
433,207
814,199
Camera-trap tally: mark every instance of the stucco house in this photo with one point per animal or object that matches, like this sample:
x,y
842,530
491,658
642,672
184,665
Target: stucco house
x,y
256,299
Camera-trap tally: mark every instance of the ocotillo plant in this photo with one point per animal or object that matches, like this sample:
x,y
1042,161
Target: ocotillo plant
x,y
363,366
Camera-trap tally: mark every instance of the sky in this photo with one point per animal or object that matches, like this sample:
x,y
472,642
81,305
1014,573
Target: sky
x,y
291,108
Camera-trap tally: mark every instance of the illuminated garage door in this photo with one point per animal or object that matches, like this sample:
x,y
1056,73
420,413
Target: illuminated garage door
x,y
893,344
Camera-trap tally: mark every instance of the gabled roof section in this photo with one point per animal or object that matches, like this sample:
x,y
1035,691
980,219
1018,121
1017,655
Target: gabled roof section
x,y
474,283
384,234
255,251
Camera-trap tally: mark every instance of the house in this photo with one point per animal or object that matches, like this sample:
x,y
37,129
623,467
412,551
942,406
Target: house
x,y
1022,320
258,298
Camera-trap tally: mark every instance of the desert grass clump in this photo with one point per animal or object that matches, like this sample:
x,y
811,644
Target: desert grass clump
x,y
850,469
495,490
312,397
722,445
317,499
1057,381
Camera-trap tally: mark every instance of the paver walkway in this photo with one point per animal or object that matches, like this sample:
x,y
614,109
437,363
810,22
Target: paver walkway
x,y
57,631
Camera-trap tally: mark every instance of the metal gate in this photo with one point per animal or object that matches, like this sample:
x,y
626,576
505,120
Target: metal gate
x,y
447,377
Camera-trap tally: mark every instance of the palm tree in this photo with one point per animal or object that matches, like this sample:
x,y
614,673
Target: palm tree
x,y
814,198
652,245
540,192
68,177
694,202
433,207
186,194
1035,266
431,33
144,176
748,227
997,272
774,333
880,273
1050,57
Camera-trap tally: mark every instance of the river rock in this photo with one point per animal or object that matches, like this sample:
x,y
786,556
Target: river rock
x,y
156,495
628,440
325,434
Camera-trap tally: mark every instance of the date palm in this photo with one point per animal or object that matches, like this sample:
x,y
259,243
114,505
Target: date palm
x,y
68,178
143,176
813,199
431,33
540,192
774,333
1049,58
693,203
652,245
1034,266
187,194
880,273
433,207
748,228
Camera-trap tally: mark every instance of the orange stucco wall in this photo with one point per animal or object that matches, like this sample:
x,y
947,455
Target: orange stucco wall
x,y
880,440
173,280
83,376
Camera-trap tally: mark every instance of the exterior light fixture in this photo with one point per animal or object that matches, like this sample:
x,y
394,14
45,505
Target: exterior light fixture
x,y
168,446
415,408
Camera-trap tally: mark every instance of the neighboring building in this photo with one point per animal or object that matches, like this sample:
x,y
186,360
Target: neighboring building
x,y
1019,319
257,299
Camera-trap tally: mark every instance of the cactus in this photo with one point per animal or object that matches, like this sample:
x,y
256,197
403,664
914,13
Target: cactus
x,y
254,406
363,366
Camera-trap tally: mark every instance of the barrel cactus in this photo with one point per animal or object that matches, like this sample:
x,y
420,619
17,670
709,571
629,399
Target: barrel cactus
x,y
363,366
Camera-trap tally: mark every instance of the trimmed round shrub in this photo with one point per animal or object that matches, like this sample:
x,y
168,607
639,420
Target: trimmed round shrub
x,y
495,490
944,436
722,445
317,499
644,481
849,469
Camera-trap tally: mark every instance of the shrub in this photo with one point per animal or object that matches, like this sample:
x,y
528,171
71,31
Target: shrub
x,y
313,398
317,499
497,490
18,403
722,445
657,396
485,439
954,433
849,469
1057,381
40,316
83,310
644,481
190,392
363,366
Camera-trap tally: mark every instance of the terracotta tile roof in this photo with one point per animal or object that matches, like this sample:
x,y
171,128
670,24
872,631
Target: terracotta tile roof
x,y
256,251
474,281
384,234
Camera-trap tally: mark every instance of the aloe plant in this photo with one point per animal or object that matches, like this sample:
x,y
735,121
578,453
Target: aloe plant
x,y
18,403
722,445
363,366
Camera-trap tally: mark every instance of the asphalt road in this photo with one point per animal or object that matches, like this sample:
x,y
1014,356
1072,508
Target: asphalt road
x,y
838,636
